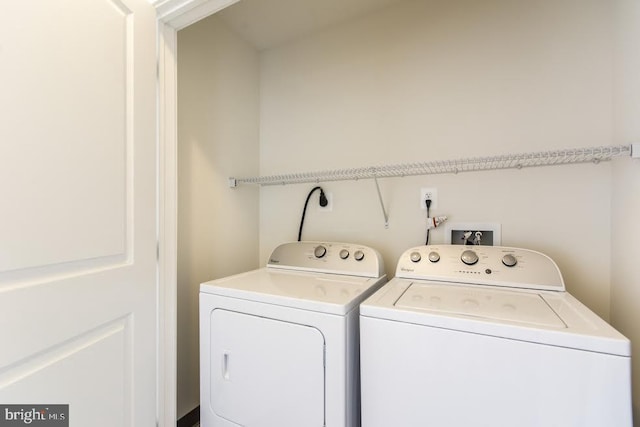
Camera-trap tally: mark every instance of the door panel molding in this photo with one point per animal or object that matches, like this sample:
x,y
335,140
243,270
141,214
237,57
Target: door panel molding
x,y
19,279
66,103
44,359
108,386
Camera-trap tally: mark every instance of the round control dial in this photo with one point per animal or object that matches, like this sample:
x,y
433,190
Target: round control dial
x,y
358,255
509,260
344,254
469,257
434,256
320,251
415,256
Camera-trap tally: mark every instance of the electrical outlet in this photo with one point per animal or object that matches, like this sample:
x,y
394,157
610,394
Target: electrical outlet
x,y
329,206
431,194
473,233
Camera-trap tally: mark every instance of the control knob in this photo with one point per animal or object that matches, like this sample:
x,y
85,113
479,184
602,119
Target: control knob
x,y
434,256
320,251
415,256
509,260
344,254
358,255
469,257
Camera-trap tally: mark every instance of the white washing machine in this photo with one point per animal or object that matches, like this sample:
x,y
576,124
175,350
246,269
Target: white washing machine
x,y
279,345
488,337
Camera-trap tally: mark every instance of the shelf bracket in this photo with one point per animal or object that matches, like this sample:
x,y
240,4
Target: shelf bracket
x,y
384,211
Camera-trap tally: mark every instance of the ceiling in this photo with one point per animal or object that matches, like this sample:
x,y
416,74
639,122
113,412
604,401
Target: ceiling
x,y
269,23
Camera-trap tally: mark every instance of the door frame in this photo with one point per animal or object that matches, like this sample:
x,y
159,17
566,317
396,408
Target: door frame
x,y
172,16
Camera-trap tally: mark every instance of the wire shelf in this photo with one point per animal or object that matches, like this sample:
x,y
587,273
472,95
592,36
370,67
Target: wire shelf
x,y
472,164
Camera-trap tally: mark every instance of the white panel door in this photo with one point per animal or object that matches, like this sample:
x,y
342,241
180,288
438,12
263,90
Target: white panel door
x,y
265,372
77,217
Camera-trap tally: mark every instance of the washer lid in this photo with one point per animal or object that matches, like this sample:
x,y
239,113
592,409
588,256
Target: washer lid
x,y
493,304
544,317
327,293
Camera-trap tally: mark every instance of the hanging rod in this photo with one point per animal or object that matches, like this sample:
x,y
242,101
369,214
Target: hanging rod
x,y
472,164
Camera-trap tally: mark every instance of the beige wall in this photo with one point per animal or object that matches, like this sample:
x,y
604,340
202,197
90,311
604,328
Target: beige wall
x,y
217,138
421,81
625,219
433,80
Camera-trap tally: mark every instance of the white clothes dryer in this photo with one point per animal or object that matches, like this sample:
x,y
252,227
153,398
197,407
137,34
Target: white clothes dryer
x,y
279,346
488,337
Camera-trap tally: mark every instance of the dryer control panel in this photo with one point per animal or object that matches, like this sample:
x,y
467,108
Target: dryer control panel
x,y
482,265
328,257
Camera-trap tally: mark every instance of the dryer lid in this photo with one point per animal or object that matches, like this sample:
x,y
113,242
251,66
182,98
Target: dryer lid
x,y
326,293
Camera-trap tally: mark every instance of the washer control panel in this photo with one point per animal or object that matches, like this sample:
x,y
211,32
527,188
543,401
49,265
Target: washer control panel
x,y
328,257
482,265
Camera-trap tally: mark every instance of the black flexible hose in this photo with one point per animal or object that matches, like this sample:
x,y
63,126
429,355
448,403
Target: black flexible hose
x,y
323,202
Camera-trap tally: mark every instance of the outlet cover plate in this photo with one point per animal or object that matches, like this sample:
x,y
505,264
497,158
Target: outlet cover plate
x,y
433,195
